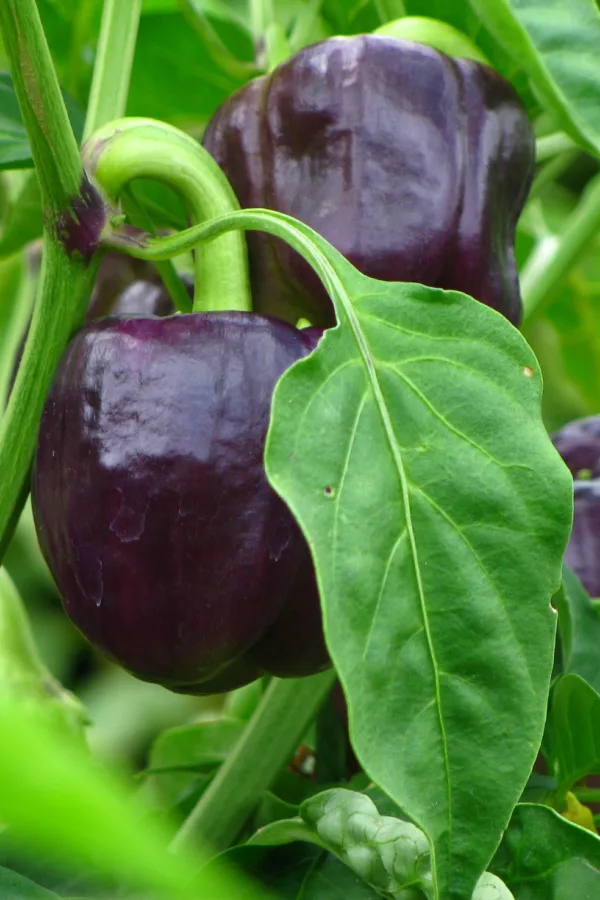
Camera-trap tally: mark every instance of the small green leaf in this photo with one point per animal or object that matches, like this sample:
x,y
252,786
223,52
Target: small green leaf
x,y
389,854
543,856
575,730
490,887
556,43
579,625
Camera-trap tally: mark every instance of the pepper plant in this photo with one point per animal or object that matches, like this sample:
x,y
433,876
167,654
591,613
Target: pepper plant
x,y
293,297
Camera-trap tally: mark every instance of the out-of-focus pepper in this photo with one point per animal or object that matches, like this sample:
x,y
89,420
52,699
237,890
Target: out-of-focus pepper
x,y
414,165
579,445
170,550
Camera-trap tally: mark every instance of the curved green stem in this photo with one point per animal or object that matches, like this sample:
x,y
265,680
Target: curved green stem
x,y
142,148
114,59
299,236
267,743
544,273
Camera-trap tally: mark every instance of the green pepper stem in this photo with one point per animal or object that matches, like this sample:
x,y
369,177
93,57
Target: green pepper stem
x,y
546,269
142,148
114,59
267,743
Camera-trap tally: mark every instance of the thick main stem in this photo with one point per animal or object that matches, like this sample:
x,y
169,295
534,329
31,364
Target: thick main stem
x,y
269,740
53,144
73,218
142,148
64,286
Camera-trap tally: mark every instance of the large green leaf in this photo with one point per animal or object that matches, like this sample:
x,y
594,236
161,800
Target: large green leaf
x,y
14,887
173,76
579,625
23,220
411,450
544,856
575,730
556,43
286,870
329,878
14,145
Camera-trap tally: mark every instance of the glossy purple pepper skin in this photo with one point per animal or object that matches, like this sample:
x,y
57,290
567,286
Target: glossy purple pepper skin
x,y
170,550
579,445
414,165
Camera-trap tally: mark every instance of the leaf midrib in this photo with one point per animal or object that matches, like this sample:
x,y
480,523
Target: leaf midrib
x,y
365,353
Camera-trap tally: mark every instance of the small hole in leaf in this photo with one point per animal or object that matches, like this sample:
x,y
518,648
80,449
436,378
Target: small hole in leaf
x,y
527,371
329,491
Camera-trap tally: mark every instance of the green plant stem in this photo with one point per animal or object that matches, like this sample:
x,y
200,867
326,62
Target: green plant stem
x,y
551,170
53,144
552,144
261,16
64,287
388,10
269,740
588,795
304,24
299,236
543,275
114,59
66,278
142,148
